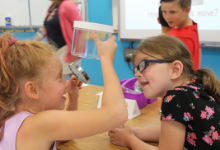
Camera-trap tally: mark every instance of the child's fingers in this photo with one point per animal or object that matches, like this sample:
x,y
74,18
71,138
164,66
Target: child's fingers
x,y
114,130
95,37
80,84
120,127
113,142
112,38
75,80
111,134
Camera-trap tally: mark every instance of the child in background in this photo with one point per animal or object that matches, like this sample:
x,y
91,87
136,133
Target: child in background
x,y
31,97
176,14
190,103
164,25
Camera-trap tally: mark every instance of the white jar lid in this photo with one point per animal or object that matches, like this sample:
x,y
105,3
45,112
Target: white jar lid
x,y
93,26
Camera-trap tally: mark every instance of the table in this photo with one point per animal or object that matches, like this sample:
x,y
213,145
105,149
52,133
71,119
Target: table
x,y
89,100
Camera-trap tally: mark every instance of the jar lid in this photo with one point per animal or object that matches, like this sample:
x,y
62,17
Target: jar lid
x,y
93,26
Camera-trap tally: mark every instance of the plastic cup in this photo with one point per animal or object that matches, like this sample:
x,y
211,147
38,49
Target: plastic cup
x,y
83,45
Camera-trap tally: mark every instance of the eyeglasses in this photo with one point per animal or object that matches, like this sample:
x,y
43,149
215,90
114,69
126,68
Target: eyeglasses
x,y
144,63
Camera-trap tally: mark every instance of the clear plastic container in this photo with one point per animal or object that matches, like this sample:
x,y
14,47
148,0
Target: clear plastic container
x,y
83,45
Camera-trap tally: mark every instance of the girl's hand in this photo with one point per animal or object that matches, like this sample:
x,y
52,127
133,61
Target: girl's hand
x,y
73,88
105,49
122,135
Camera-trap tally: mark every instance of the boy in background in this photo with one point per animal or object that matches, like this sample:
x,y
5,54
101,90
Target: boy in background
x,y
165,28
176,14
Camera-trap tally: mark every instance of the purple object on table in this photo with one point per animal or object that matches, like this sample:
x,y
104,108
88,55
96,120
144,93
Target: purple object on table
x,y
142,101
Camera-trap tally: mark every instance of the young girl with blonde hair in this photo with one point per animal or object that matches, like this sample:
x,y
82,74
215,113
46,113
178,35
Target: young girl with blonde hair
x,y
32,97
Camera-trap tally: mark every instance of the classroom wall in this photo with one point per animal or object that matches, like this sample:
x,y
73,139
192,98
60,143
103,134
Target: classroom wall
x,y
100,11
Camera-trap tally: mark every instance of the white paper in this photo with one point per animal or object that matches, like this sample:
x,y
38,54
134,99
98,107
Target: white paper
x,y
83,85
100,93
132,107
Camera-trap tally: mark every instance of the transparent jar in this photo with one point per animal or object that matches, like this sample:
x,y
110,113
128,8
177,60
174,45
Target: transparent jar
x,y
83,45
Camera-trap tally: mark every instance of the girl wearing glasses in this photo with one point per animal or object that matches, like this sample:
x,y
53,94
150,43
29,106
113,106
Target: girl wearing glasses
x,y
190,99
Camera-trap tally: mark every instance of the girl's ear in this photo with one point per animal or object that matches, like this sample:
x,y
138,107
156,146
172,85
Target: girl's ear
x,y
31,90
177,69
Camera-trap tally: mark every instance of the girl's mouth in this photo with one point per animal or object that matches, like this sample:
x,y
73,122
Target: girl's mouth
x,y
64,96
170,22
144,83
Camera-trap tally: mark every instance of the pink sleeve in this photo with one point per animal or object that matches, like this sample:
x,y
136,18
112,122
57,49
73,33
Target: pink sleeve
x,y
68,13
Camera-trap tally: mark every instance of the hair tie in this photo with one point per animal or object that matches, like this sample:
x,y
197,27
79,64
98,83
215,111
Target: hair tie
x,y
12,42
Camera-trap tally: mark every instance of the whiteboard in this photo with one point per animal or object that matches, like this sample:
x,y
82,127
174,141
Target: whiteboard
x,y
16,9
31,13
138,20
38,11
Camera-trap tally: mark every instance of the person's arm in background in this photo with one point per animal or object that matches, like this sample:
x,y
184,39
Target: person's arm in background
x,y
41,33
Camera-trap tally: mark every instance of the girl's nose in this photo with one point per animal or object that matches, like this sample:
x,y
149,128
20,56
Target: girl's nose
x,y
137,74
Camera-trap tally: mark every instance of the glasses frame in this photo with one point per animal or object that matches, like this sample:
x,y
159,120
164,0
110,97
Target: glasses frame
x,y
148,61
